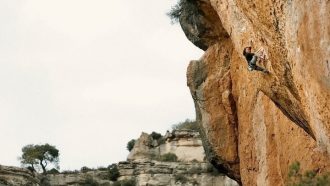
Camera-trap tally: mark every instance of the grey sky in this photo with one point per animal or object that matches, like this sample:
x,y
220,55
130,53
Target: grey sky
x,y
88,76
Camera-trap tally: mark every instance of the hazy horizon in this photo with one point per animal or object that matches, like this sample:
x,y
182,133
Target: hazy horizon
x,y
88,76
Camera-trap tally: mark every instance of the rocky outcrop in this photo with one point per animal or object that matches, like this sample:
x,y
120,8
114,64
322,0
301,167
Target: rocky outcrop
x,y
148,173
255,125
173,173
13,176
145,166
92,177
191,168
185,144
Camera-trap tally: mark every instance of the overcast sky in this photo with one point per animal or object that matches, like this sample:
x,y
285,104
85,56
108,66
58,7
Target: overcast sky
x,y
89,75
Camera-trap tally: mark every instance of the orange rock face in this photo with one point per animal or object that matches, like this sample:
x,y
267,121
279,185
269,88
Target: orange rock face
x,y
254,125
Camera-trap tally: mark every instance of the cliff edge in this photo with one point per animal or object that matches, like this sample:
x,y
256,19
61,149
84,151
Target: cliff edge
x,y
255,125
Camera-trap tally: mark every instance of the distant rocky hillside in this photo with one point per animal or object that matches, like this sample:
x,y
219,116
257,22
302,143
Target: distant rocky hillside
x,y
17,176
185,144
177,158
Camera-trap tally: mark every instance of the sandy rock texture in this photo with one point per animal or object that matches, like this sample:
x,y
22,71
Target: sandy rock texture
x,y
172,173
255,125
13,176
185,144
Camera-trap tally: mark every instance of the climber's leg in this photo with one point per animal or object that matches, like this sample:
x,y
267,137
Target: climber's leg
x,y
252,63
261,69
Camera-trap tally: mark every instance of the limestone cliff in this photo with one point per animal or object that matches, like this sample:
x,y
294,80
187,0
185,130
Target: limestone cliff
x,y
13,176
148,168
185,144
144,166
255,125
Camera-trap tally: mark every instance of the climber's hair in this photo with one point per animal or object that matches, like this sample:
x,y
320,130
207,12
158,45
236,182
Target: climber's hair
x,y
244,50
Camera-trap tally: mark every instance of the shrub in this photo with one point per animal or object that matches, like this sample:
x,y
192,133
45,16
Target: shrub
x,y
180,178
30,168
158,137
113,172
187,7
130,145
89,181
53,171
194,161
128,182
309,178
187,125
161,141
85,169
3,181
44,181
169,157
102,168
195,170
155,135
70,172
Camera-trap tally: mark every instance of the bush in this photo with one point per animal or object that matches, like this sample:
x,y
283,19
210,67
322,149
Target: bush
x,y
169,157
85,169
180,178
3,181
187,7
130,145
158,137
113,172
89,181
155,135
309,178
102,168
53,171
186,125
161,141
70,172
128,182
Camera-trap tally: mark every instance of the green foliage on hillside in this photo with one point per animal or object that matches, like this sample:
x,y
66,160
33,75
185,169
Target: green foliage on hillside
x,y
127,182
308,178
130,144
89,181
155,135
187,7
85,169
169,157
53,171
186,125
180,178
39,156
113,173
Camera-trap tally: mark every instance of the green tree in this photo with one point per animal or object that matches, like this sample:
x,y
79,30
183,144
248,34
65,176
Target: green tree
x,y
40,155
183,7
130,145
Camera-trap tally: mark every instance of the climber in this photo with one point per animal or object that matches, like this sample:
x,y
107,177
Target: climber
x,y
252,59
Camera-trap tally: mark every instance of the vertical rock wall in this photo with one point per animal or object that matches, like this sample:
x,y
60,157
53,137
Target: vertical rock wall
x,y
256,125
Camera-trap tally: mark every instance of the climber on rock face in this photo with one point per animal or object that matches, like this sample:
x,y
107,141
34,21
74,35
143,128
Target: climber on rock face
x,y
252,59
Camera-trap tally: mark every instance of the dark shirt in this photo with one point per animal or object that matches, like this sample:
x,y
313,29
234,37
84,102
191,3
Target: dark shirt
x,y
248,56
